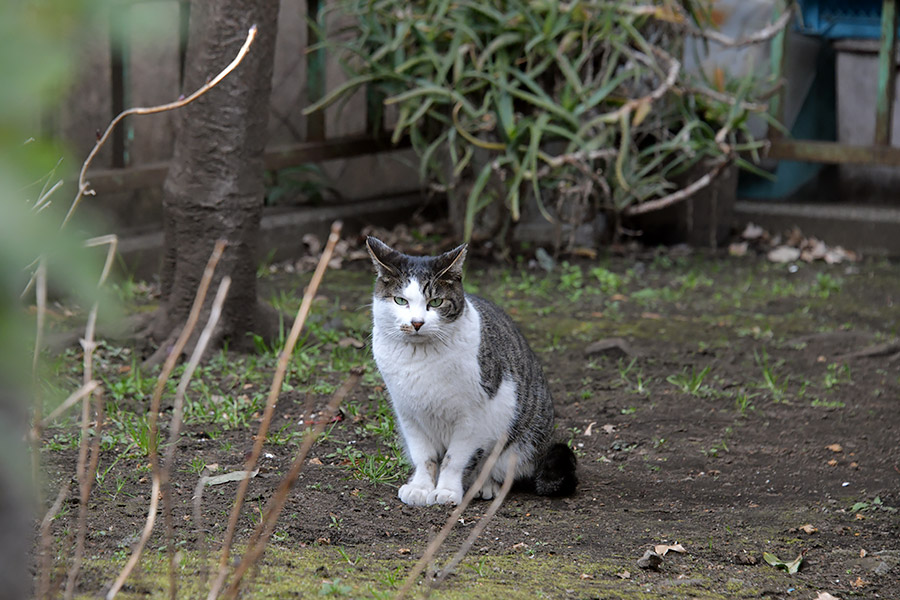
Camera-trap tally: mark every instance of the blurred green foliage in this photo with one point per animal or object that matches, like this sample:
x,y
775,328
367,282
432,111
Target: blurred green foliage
x,y
577,103
36,59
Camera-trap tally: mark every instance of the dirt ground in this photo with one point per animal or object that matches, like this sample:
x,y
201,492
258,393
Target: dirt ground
x,y
749,408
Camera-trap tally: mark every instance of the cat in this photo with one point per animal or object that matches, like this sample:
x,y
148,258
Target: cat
x,y
460,376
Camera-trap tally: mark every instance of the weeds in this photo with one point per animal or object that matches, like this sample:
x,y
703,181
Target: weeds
x,y
775,385
691,384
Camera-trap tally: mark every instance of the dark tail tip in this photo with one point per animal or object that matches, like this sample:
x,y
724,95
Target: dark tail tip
x,y
555,473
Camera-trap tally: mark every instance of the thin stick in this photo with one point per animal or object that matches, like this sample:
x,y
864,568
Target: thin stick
x,y
215,314
86,475
47,542
84,186
479,527
167,368
266,526
40,293
452,519
85,481
763,35
68,403
283,360
674,197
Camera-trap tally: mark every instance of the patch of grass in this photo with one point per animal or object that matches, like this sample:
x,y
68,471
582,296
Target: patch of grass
x,y
691,384
836,375
773,383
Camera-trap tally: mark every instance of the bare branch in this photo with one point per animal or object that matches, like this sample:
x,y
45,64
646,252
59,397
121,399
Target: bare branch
x,y
763,35
482,523
283,360
435,544
167,368
682,194
84,186
266,526
215,314
85,481
84,390
47,542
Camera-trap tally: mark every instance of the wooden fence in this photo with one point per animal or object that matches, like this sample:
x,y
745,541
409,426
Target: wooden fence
x,y
136,58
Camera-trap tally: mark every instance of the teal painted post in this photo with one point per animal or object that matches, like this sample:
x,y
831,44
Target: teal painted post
x,y
887,72
315,71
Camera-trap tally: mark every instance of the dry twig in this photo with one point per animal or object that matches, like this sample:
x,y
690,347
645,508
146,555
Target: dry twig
x,y
84,185
167,368
215,314
452,519
266,526
283,360
47,542
678,196
482,523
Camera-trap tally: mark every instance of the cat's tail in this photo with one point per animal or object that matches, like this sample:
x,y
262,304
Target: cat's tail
x,y
554,474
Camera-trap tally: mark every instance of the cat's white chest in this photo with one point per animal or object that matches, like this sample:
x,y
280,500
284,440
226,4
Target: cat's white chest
x,y
437,383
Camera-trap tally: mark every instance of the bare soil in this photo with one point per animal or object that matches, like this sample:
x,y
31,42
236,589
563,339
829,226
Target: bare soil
x,y
729,466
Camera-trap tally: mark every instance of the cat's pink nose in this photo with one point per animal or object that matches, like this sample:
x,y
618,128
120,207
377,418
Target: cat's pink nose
x,y
417,324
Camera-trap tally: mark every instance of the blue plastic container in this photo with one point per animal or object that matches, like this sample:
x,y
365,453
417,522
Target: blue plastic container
x,y
835,19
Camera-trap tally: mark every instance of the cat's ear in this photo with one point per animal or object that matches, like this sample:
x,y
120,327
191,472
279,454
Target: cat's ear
x,y
383,257
449,265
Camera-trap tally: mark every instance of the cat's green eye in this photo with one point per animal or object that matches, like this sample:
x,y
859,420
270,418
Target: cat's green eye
x,y
435,302
401,301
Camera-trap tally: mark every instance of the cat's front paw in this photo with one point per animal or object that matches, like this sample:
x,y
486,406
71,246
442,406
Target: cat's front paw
x,y
415,495
489,490
445,496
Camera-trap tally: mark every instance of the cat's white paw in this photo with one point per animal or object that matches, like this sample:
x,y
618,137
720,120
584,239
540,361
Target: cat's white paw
x,y
489,489
415,495
445,496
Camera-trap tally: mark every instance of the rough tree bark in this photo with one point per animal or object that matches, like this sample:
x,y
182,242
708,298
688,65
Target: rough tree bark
x,y
214,188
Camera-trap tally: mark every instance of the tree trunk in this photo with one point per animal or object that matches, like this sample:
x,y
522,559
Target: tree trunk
x,y
214,188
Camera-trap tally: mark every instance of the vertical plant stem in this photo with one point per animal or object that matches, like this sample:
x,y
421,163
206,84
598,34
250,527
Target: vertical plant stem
x,y
435,544
43,591
215,314
167,368
283,360
266,526
482,523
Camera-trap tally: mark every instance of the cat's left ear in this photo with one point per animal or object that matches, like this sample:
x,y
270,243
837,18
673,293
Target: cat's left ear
x,y
449,265
383,257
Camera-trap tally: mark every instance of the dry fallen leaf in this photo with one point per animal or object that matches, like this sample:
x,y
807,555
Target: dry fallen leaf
x,y
590,428
835,448
623,575
832,463
825,596
862,553
808,528
737,249
752,232
859,582
609,429
403,551
586,576
315,461
662,549
783,254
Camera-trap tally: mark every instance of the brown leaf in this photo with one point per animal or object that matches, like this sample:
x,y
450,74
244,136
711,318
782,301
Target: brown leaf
x,y
825,596
808,528
835,448
662,549
624,575
859,582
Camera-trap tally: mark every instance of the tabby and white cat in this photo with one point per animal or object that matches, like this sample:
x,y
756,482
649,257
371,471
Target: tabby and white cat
x,y
460,376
